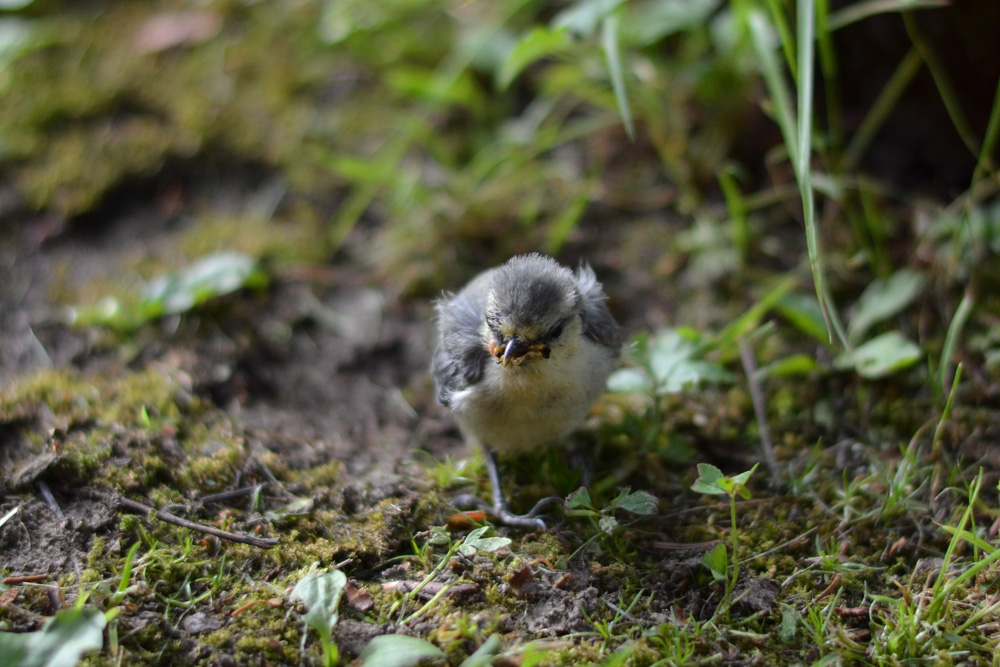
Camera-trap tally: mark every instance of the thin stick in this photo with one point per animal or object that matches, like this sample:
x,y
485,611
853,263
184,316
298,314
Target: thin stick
x,y
759,408
230,495
162,515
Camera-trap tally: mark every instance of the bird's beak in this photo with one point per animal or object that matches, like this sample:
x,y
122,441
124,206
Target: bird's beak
x,y
517,350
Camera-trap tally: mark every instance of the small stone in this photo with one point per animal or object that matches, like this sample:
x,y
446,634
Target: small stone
x,y
200,622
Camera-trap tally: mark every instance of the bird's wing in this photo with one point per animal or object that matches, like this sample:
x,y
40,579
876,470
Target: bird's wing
x,y
598,323
461,356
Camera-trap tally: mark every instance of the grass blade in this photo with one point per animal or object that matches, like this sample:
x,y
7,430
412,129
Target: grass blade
x,y
610,29
784,115
862,10
805,28
780,20
985,162
797,135
958,321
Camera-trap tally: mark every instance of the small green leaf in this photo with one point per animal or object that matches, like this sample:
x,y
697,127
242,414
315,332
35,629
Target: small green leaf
x,y
796,365
483,657
440,536
883,299
717,562
583,17
580,500
60,642
708,480
805,314
742,477
629,381
881,356
540,43
724,484
637,502
728,486
790,619
320,592
211,276
731,487
399,651
674,362
475,542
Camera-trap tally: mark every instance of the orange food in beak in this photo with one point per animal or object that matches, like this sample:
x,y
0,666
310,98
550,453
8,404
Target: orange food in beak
x,y
516,351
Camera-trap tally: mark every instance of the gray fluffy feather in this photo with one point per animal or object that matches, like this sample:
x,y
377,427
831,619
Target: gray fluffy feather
x,y
528,289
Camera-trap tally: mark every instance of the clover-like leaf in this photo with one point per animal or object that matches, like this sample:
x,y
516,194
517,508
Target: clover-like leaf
x,y
483,657
60,642
579,503
399,651
737,483
884,298
636,502
717,562
708,480
475,542
805,314
320,592
881,356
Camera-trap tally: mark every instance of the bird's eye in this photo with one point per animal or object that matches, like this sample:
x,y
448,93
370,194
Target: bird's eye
x,y
555,333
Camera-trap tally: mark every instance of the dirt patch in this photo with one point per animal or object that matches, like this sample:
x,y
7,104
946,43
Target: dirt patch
x,y
53,538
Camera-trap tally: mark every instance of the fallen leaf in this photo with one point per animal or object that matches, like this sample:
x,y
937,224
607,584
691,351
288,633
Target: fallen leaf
x,y
519,579
8,596
358,598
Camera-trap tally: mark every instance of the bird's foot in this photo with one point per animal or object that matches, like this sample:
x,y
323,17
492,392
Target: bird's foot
x,y
503,515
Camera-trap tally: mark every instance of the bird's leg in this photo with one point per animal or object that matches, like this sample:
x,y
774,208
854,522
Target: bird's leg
x,y
500,510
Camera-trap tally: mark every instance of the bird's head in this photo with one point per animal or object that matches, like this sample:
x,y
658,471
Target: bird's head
x,y
533,308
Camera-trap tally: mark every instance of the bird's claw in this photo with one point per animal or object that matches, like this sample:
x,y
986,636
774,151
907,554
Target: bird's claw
x,y
508,518
502,514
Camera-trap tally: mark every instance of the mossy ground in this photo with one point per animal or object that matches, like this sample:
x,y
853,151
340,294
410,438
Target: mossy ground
x,y
366,156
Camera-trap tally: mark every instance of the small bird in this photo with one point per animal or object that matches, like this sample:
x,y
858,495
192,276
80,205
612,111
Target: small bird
x,y
523,352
